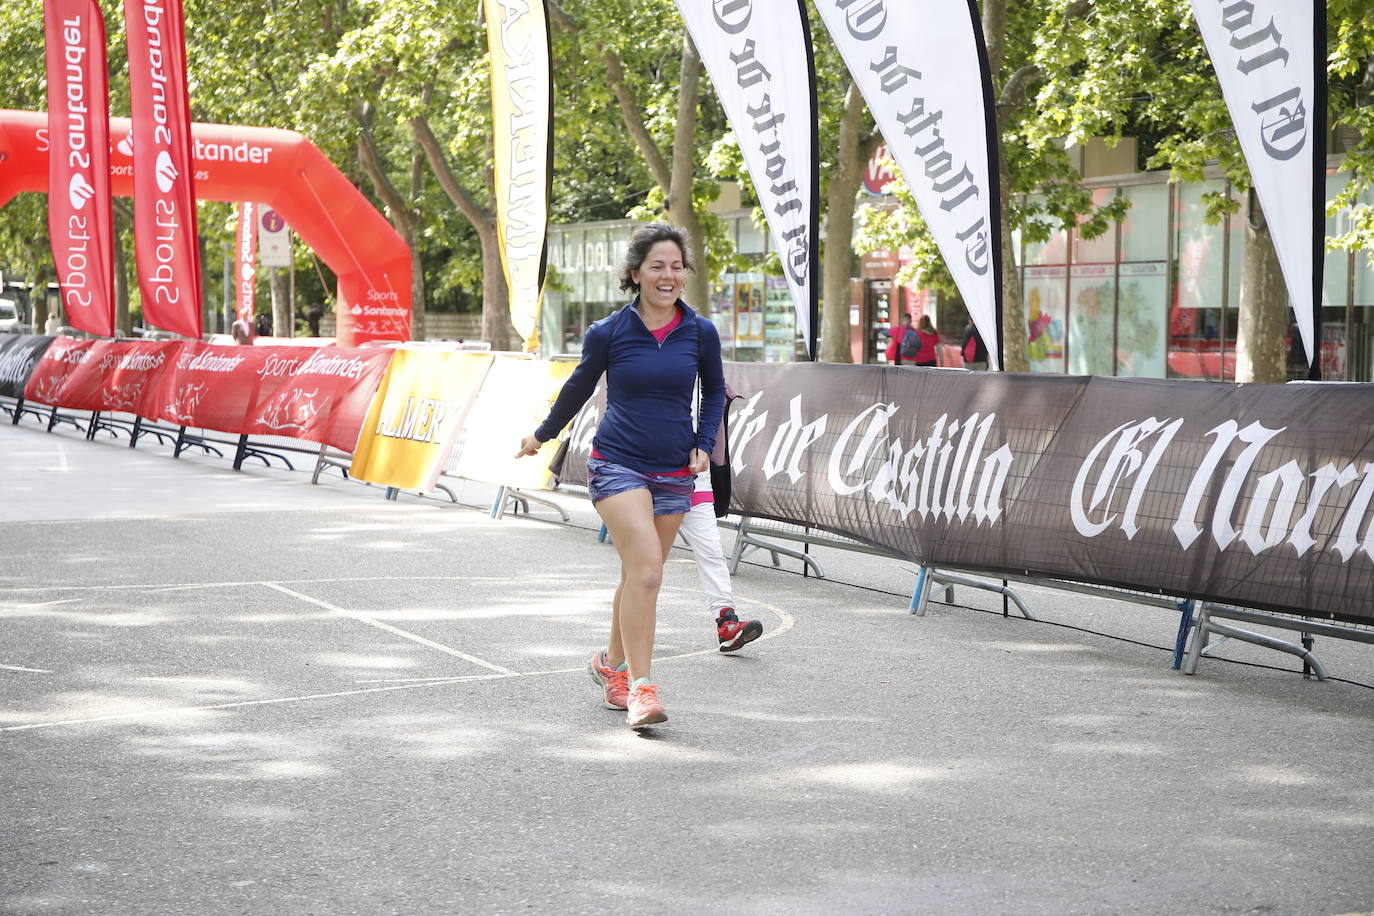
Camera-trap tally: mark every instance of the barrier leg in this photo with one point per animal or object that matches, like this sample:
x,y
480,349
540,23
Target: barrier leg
x,y
921,592
1307,643
1269,642
52,418
498,506
1185,623
737,553
138,431
1202,631
241,452
181,443
319,466
90,430
603,533
18,411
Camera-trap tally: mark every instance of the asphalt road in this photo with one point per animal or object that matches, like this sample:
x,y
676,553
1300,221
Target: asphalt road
x,y
230,692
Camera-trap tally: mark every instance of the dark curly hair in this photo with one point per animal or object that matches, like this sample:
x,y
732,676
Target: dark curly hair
x,y
644,238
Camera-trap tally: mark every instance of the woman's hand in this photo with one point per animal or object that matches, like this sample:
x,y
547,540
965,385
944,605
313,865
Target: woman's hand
x,y
528,446
699,461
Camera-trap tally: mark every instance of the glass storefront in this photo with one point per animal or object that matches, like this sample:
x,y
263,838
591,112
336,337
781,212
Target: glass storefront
x,y
1156,296
752,311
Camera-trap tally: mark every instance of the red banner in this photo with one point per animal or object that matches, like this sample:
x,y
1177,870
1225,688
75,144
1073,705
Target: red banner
x,y
320,394
115,373
323,396
164,194
80,215
45,384
246,263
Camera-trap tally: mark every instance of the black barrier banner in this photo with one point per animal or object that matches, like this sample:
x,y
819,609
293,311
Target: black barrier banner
x,y
1258,495
19,353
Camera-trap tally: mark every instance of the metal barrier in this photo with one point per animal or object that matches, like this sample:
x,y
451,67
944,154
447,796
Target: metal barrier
x,y
1307,627
750,533
1198,618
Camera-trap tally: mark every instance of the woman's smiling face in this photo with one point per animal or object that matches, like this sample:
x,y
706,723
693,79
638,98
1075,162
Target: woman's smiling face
x,y
662,275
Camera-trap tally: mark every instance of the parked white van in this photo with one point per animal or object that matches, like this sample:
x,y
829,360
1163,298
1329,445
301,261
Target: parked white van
x,y
9,317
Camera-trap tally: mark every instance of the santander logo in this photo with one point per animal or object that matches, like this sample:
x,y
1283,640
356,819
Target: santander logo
x,y
79,191
126,146
166,172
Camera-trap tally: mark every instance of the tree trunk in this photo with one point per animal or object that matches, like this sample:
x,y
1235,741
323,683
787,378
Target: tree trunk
x,y
404,217
839,237
283,322
496,324
1015,357
417,291
1263,317
681,207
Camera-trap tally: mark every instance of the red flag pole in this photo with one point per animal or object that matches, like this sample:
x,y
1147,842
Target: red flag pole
x,y
246,264
165,242
80,206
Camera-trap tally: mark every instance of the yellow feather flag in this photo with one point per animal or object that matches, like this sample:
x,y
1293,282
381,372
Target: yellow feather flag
x,y
522,132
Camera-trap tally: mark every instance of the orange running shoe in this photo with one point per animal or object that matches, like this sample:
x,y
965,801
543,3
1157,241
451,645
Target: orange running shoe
x,y
645,706
614,684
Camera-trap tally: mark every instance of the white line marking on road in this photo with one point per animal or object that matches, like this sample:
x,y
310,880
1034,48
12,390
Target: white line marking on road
x,y
180,710
193,680
363,618
15,607
788,622
30,670
239,583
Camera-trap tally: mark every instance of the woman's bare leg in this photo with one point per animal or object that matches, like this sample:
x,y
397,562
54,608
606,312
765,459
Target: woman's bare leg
x,y
642,540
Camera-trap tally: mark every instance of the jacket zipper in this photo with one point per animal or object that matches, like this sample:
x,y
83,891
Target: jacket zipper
x,y
660,343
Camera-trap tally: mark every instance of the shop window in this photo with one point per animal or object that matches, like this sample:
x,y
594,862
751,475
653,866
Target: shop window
x,y
1101,250
1092,296
1054,250
1142,302
1046,292
751,240
749,320
1198,345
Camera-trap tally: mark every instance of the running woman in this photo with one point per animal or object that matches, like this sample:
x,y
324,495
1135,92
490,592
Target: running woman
x,y
647,452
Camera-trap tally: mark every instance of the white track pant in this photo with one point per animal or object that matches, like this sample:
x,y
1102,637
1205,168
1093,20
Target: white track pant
x,y
700,531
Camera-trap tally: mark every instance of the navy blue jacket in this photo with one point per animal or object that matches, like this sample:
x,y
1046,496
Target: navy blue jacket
x,y
649,390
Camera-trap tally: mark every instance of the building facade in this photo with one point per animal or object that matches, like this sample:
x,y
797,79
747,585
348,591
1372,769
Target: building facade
x,y
1156,296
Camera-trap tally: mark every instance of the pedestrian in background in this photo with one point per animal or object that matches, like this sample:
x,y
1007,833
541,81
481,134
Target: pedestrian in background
x,y
928,355
904,345
972,348
647,451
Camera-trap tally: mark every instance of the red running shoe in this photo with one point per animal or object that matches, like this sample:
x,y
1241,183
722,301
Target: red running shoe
x,y
614,684
733,633
645,707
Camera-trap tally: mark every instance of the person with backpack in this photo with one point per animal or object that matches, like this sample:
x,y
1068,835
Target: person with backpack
x,y
647,451
904,345
972,348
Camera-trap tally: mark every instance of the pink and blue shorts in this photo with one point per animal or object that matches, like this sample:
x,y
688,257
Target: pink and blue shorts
x,y
672,493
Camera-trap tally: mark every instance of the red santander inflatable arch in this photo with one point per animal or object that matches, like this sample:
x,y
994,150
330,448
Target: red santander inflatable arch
x,y
279,168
